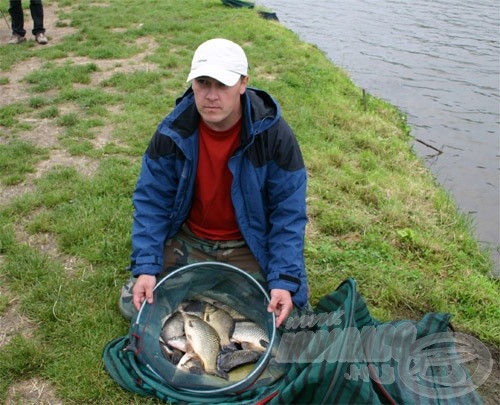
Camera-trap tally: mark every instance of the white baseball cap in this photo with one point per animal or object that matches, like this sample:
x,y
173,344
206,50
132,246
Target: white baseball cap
x,y
220,59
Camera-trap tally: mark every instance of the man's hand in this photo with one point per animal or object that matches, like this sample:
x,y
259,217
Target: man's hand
x,y
281,304
143,290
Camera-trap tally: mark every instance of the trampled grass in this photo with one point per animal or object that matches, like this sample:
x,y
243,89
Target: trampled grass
x,y
376,214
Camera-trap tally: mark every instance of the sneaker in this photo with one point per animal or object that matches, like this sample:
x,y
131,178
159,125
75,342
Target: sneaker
x,y
41,39
16,39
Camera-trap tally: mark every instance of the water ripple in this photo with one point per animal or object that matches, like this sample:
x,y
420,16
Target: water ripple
x,y
438,61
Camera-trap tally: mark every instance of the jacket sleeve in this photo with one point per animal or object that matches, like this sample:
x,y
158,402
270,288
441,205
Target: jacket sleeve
x,y
286,191
153,201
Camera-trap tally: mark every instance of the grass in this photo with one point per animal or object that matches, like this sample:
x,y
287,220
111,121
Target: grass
x,y
376,214
17,159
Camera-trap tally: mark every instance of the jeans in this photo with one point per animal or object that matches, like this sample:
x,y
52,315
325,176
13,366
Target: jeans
x,y
17,16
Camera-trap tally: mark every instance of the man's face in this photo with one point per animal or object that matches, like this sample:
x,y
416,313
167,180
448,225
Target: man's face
x,y
219,105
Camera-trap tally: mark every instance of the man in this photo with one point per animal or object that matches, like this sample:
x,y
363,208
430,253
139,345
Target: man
x,y
17,15
222,179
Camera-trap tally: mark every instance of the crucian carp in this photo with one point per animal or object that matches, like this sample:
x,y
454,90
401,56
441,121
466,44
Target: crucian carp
x,y
204,335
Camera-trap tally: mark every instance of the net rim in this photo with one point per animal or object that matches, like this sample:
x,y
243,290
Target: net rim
x,y
238,386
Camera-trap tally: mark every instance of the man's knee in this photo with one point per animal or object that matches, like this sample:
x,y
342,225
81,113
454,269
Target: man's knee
x,y
125,302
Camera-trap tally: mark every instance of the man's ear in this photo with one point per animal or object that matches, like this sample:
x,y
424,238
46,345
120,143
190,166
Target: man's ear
x,y
243,84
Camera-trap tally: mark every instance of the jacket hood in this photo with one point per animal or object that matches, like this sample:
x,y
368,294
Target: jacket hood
x,y
260,110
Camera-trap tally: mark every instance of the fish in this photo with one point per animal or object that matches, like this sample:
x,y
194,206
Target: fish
x,y
241,372
221,321
207,336
191,363
230,360
173,327
195,308
250,336
237,316
204,342
173,355
172,332
179,343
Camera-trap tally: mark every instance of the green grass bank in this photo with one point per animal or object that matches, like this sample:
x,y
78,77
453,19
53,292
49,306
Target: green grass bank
x,y
75,118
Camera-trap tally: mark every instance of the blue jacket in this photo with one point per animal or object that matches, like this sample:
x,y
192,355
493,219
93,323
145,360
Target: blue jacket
x,y
268,190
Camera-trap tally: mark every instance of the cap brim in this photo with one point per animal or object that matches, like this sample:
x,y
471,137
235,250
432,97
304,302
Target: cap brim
x,y
215,72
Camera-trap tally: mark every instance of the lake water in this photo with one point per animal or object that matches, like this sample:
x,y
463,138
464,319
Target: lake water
x,y
438,62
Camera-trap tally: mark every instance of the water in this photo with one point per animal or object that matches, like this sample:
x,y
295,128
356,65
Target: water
x,y
438,62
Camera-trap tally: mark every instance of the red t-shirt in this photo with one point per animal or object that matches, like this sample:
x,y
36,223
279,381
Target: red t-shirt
x,y
212,213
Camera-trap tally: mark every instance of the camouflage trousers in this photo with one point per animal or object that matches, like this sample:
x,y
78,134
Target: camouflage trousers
x,y
185,248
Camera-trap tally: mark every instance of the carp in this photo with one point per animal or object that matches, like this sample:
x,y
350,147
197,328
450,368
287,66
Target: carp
x,y
250,336
221,321
205,342
231,360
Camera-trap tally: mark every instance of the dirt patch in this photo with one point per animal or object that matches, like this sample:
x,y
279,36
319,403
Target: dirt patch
x,y
12,323
45,243
33,391
59,157
7,194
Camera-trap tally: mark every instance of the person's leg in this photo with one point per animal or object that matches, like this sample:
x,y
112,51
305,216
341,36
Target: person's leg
x,y
17,17
185,248
36,9
195,250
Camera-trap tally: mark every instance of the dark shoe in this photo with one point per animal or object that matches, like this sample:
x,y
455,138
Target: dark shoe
x,y
41,39
16,39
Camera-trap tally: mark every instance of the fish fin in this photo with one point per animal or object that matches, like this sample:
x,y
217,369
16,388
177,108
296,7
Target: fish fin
x,y
167,352
176,356
222,360
184,359
231,347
